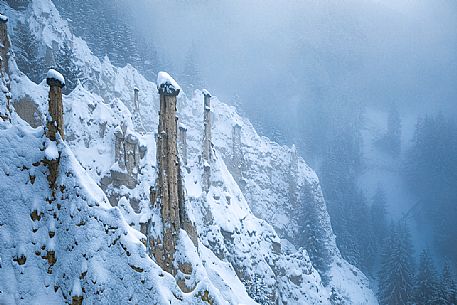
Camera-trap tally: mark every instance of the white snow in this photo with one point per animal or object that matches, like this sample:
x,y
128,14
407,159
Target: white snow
x,y
76,291
36,206
20,250
163,78
52,225
206,92
53,74
51,244
104,242
51,152
84,266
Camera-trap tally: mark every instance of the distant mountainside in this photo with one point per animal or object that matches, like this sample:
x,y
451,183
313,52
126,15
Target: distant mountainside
x,y
254,224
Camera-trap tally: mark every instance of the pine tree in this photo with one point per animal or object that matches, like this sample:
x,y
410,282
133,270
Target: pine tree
x,y
426,288
347,205
336,298
430,169
448,289
27,55
312,234
394,131
150,64
396,277
390,142
378,220
66,64
258,290
18,4
191,74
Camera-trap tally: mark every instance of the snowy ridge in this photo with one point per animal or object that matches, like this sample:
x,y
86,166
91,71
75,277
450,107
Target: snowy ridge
x,y
238,254
93,243
267,176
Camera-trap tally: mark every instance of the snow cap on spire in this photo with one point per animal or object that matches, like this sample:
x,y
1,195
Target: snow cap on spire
x,y
206,93
3,18
167,85
55,76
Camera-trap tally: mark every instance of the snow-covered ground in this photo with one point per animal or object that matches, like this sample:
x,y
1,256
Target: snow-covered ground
x,y
246,234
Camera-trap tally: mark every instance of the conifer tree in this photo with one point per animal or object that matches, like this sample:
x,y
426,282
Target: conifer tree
x,y
346,204
390,142
448,289
394,131
396,276
191,74
66,64
379,215
313,235
426,288
18,4
27,54
430,169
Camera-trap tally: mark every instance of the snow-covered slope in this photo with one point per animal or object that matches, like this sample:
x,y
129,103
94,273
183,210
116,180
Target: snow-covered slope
x,y
239,258
95,248
274,192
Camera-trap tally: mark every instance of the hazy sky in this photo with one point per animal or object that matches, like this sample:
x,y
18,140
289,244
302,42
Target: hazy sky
x,y
383,49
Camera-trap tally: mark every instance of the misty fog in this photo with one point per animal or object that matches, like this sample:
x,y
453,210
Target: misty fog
x,y
366,90
281,62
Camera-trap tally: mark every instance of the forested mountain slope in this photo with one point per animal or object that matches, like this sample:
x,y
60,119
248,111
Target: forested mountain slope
x,y
256,230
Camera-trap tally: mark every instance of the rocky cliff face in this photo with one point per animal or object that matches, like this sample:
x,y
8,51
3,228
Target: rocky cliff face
x,y
238,242
5,56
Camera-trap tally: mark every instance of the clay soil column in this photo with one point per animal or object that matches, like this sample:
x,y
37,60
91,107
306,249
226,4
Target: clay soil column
x,y
56,82
168,167
54,124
